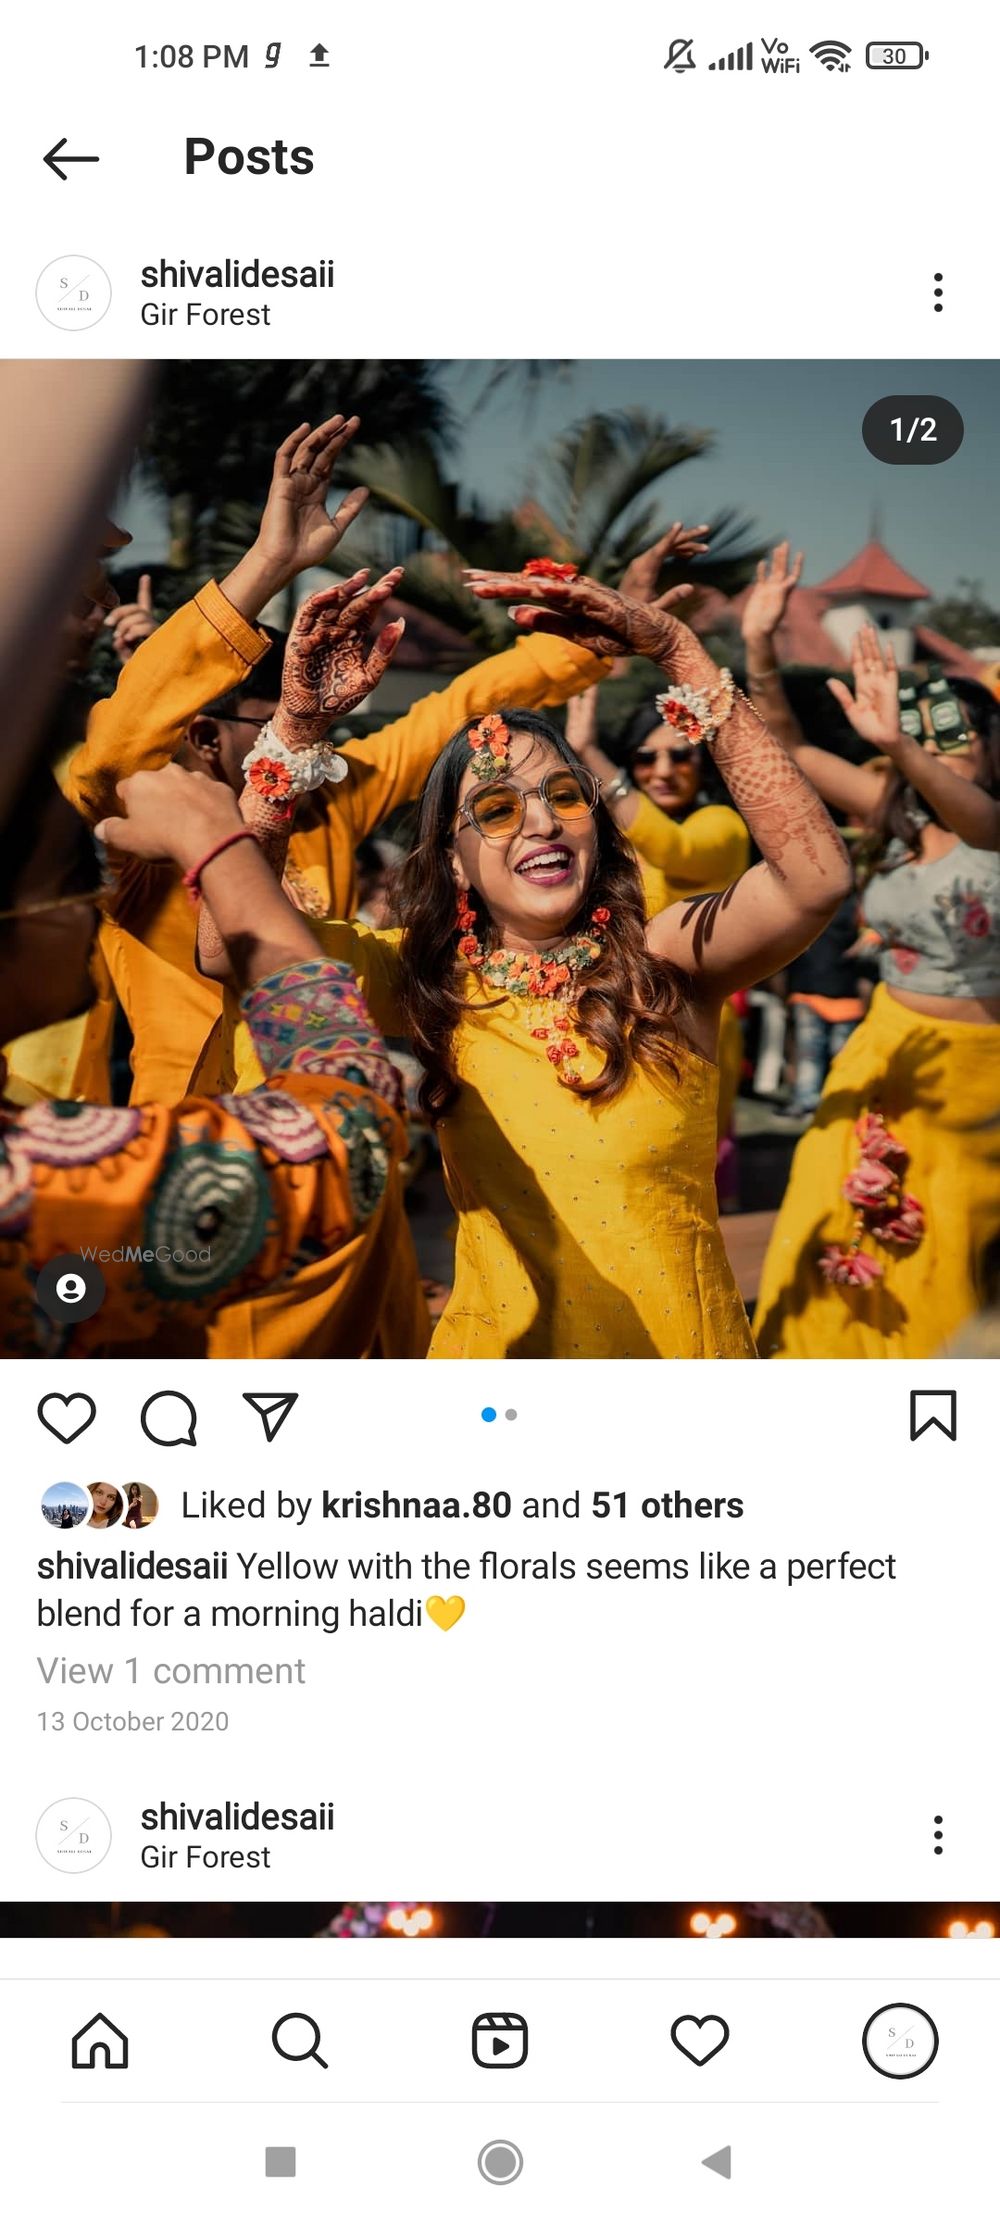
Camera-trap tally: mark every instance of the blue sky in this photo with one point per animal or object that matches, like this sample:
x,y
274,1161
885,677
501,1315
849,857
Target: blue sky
x,y
788,454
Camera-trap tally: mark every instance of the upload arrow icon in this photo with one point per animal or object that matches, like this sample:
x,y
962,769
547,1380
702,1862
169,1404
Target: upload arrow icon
x,y
272,1411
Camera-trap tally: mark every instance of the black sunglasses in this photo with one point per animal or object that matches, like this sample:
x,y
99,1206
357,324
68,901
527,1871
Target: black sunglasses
x,y
676,756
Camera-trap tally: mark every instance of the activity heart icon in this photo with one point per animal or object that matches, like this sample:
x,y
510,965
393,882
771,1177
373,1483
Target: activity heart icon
x,y
445,1611
702,2036
67,1416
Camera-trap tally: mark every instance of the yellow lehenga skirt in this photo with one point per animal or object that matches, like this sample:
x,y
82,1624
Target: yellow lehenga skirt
x,y
937,1085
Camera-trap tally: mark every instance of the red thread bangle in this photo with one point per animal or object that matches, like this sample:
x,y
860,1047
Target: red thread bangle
x,y
192,879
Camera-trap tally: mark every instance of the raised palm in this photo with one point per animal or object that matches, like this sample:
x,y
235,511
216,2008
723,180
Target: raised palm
x,y
296,530
765,605
334,656
679,544
873,708
585,611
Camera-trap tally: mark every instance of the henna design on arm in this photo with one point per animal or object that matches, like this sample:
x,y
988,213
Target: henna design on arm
x,y
777,908
334,658
782,810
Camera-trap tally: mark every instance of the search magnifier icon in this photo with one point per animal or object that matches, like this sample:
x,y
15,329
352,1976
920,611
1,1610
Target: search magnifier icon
x,y
296,2037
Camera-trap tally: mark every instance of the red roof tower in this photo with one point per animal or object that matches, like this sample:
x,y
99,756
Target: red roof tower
x,y
874,572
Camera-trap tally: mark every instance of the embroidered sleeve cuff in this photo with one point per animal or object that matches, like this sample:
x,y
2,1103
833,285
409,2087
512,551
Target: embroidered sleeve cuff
x,y
313,1018
249,641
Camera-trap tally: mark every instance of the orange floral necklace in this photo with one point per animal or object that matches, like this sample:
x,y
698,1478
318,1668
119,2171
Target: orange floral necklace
x,y
535,977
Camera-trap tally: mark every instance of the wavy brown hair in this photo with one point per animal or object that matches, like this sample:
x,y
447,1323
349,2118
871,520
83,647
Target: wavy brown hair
x,y
627,1005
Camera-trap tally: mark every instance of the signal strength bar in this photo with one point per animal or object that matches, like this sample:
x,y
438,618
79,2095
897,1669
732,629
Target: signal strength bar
x,y
742,58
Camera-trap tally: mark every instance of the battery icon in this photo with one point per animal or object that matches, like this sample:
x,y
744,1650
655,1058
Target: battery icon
x,y
896,54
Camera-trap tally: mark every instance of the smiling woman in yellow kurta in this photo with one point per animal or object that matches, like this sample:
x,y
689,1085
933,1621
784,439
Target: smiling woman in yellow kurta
x,y
148,934
584,1231
568,1042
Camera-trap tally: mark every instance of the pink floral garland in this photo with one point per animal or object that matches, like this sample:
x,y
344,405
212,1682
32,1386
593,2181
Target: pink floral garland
x,y
883,1208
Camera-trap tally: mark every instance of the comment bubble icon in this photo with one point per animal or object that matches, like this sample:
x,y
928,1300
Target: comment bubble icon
x,y
169,1419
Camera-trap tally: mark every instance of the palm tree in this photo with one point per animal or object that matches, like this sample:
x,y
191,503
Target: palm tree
x,y
600,497
214,426
599,502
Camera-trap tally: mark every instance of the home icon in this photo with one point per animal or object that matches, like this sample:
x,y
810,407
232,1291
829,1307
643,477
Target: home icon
x,y
100,2045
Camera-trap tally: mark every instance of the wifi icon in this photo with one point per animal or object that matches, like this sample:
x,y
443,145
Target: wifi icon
x,y
832,53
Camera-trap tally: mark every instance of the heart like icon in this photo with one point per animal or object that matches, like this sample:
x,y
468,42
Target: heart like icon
x,y
445,1611
702,2037
67,1416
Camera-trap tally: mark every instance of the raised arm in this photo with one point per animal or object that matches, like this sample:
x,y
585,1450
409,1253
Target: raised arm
x,y
296,531
130,623
848,787
873,710
763,611
389,767
680,542
333,660
195,823
275,1181
213,642
729,940
708,849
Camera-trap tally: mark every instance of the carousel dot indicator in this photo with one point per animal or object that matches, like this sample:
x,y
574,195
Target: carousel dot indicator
x,y
511,1415
488,1412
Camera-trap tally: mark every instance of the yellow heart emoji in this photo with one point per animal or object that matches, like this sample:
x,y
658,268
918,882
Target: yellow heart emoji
x,y
445,1611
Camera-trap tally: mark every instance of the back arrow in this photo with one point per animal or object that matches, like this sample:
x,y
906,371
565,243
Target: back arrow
x,y
55,155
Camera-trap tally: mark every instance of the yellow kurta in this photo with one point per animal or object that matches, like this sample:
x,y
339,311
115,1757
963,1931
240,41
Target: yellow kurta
x,y
584,1232
697,856
937,1084
148,936
182,1043
201,652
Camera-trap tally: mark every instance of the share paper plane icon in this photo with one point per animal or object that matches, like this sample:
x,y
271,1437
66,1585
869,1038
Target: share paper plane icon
x,y
272,1410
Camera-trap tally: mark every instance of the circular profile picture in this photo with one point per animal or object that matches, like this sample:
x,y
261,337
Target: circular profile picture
x,y
106,1503
141,1504
73,1834
73,292
65,1505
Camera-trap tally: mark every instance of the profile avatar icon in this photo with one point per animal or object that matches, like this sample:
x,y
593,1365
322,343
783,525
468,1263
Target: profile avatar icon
x,y
70,1288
